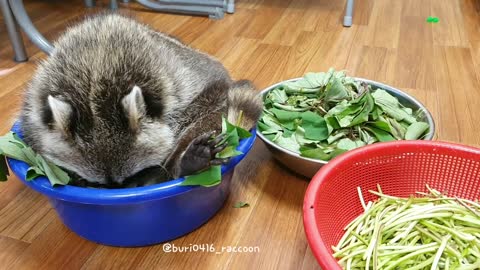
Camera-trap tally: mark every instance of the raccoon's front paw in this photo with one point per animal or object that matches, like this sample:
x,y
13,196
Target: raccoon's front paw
x,y
200,154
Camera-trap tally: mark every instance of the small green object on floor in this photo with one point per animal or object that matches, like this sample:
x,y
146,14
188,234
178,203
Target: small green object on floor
x,y
241,205
433,19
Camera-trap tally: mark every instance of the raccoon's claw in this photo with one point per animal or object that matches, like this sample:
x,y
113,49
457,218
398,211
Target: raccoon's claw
x,y
200,154
203,139
218,140
220,161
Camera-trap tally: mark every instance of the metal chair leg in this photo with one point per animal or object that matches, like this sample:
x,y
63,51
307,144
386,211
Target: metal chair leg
x,y
13,32
230,6
347,20
89,3
213,9
113,4
18,10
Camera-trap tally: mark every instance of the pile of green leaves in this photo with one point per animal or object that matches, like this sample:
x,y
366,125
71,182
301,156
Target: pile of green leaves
x,y
325,114
213,175
13,147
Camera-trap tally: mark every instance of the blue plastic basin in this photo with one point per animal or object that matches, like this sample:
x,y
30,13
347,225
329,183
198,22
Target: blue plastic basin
x,y
140,216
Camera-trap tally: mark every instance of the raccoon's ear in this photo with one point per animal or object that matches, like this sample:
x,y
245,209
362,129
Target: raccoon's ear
x,y
134,106
61,112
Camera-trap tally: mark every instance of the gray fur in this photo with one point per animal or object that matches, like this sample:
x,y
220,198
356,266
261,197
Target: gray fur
x,y
116,97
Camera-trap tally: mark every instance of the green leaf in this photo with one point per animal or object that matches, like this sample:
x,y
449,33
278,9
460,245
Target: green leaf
x,y
390,105
278,95
333,138
288,143
337,152
297,100
229,151
241,205
317,153
317,79
332,121
234,133
30,155
346,121
243,133
315,126
416,130
365,136
287,133
381,125
34,172
3,168
367,107
381,135
290,108
348,144
233,138
225,125
207,178
300,137
396,129
271,122
310,83
335,91
55,175
376,112
10,147
285,116
265,129
407,110
271,137
341,109
353,113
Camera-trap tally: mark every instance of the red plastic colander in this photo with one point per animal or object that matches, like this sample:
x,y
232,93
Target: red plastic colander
x,y
401,168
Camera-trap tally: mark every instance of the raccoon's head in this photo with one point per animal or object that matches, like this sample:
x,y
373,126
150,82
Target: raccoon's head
x,y
105,139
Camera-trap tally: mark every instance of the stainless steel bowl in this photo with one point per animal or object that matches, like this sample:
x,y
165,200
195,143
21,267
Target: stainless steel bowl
x,y
308,166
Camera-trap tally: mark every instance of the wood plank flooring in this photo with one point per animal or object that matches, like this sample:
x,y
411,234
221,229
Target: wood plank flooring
x,y
265,41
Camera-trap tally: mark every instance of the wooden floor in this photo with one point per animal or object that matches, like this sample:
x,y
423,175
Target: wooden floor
x,y
265,41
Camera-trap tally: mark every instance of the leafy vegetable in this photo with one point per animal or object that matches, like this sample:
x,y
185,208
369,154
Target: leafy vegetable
x,y
207,178
415,130
315,126
391,106
13,147
335,91
429,232
229,151
213,175
241,205
381,135
3,168
325,114
347,144
289,143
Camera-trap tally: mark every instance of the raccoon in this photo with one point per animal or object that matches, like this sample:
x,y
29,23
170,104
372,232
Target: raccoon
x,y
117,99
